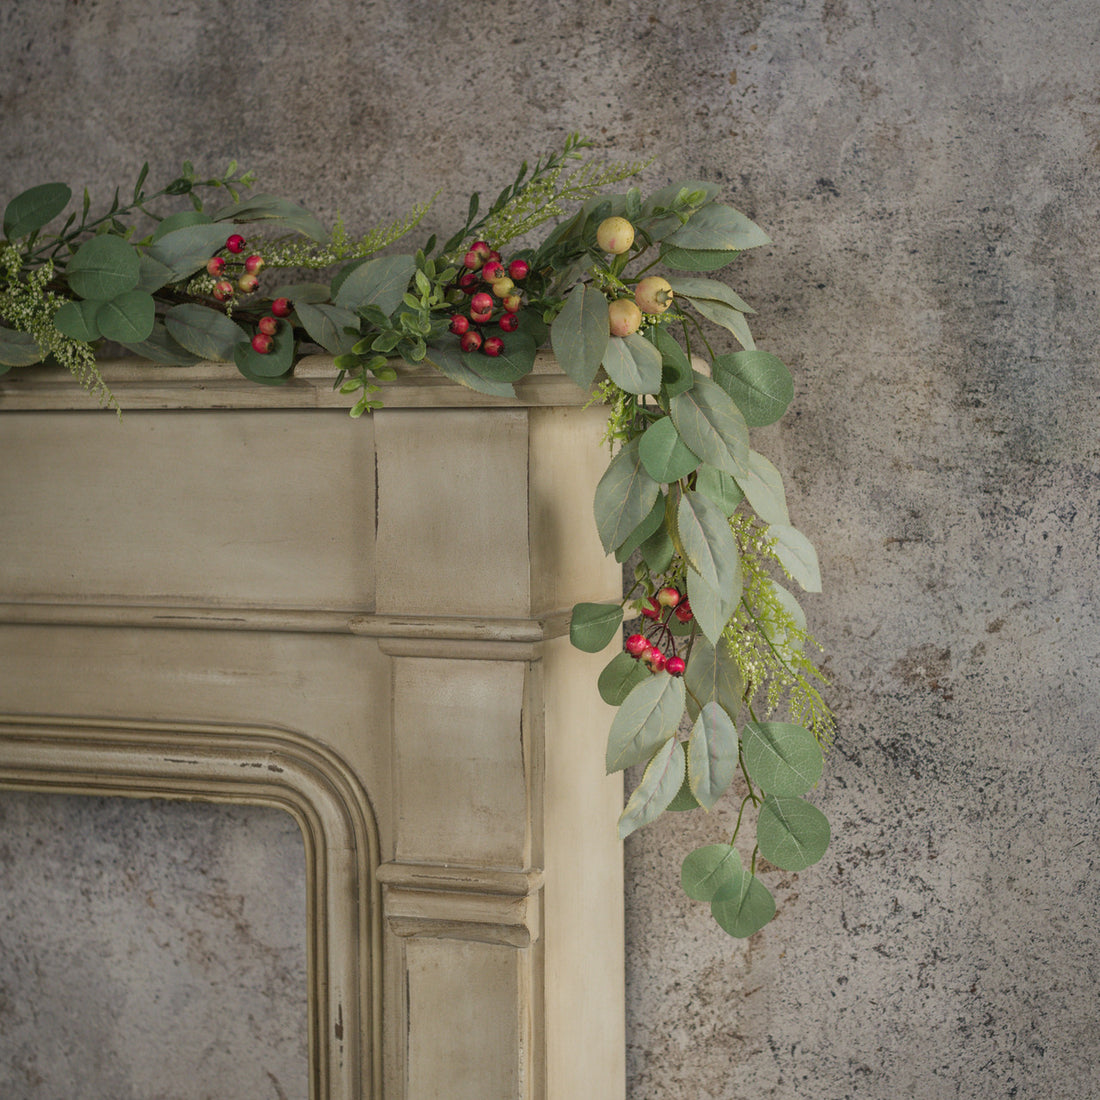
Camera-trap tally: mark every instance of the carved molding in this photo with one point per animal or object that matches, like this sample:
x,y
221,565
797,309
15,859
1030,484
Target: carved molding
x,y
257,766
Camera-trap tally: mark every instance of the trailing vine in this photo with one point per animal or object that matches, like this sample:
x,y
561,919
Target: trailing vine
x,y
719,643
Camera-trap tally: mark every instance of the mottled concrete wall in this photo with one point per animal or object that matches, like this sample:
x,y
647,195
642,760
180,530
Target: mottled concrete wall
x,y
929,175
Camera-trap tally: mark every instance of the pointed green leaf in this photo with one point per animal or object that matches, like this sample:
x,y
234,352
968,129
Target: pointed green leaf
x,y
712,676
660,782
620,676
791,833
188,248
711,425
180,220
512,364
35,208
452,363
161,348
759,383
797,555
272,208
712,754
633,364
644,529
649,716
708,290
711,871
713,609
314,293
593,625
658,550
580,333
18,349
762,484
782,758
623,497
152,274
718,227
746,910
696,259
676,373
729,318
664,454
103,268
204,332
127,318
720,488
77,320
708,542
326,324
276,363
381,282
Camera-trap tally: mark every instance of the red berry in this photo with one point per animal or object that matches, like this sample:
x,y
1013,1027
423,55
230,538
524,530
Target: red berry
x,y
655,659
509,322
493,270
493,255
248,283
281,307
261,343
668,597
468,282
235,243
470,341
268,325
483,249
223,289
675,666
519,269
460,324
253,264
683,611
473,260
636,645
652,610
493,346
512,301
482,303
215,266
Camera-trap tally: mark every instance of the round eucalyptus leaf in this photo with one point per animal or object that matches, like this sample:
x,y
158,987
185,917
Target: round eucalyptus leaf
x,y
103,268
664,454
712,871
35,208
77,320
782,758
620,677
747,910
204,332
593,625
791,833
128,318
275,364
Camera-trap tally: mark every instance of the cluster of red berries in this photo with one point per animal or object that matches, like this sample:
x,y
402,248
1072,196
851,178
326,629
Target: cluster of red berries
x,y
488,282
247,284
269,325
659,608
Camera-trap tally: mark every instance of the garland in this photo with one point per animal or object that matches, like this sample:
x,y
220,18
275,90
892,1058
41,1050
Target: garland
x,y
718,643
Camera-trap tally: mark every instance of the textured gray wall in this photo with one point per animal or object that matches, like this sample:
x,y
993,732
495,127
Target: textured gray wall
x,y
929,175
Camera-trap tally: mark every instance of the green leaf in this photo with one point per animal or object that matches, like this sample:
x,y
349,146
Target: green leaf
x,y
711,425
244,366
35,208
712,676
127,318
708,542
782,758
671,199
18,349
381,282
644,529
623,497
658,550
712,608
762,484
708,290
664,454
204,332
620,677
729,318
633,364
718,227
272,208
759,383
580,333
660,782
797,555
452,363
313,293
103,268
676,373
746,910
77,320
712,754
720,488
711,871
696,259
161,348
276,363
152,274
325,325
188,248
593,625
649,717
180,220
791,833
512,364
684,799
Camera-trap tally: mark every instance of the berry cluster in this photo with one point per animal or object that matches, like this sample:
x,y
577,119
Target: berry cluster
x,y
488,283
652,295
247,282
659,609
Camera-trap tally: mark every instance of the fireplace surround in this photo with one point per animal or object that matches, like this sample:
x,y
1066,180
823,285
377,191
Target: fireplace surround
x,y
238,594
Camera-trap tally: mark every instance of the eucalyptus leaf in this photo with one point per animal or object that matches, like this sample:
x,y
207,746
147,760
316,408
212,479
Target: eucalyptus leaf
x,y
452,363
272,208
161,348
712,754
204,332
797,555
381,282
277,363
624,497
180,220
103,268
744,910
187,249
580,332
633,364
791,833
782,758
152,274
717,227
77,320
759,383
314,293
649,716
664,454
593,625
128,318
711,425
660,782
711,871
712,675
326,324
35,208
620,676
18,349
512,364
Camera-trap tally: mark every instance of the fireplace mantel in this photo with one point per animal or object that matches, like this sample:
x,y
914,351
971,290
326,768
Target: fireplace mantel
x,y
238,594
